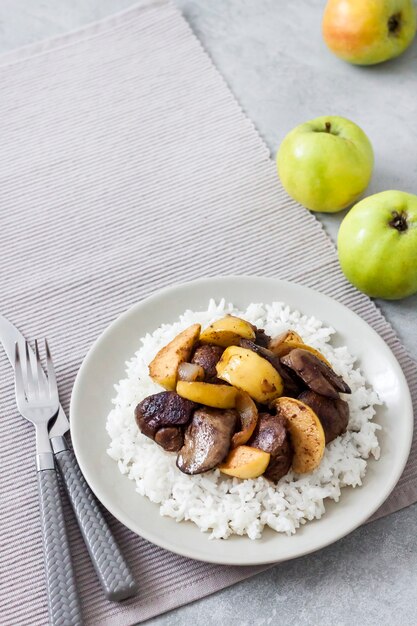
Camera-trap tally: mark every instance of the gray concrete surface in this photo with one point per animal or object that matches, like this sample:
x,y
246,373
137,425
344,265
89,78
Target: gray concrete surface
x,y
272,55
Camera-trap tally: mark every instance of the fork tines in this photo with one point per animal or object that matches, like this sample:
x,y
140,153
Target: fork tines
x,y
31,382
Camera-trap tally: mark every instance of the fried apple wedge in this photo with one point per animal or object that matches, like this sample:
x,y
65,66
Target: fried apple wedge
x,y
283,344
227,332
286,337
216,396
245,462
163,369
306,433
250,372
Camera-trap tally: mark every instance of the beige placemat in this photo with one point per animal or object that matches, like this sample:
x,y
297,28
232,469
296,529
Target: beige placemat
x,y
127,165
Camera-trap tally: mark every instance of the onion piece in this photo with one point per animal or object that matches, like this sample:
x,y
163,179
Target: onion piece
x,y
190,372
248,414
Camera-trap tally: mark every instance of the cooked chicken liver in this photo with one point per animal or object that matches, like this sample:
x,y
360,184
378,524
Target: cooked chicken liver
x,y
333,414
162,409
170,438
207,440
318,376
293,386
261,338
271,436
207,357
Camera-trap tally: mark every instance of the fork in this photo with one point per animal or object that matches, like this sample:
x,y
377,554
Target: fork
x,y
37,401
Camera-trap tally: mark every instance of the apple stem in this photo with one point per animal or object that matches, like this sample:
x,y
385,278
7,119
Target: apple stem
x,y
328,127
399,221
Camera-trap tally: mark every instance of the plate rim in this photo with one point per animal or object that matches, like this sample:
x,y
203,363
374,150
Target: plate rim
x,y
160,541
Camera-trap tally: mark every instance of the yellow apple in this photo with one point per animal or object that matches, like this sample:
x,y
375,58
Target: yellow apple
x,y
366,32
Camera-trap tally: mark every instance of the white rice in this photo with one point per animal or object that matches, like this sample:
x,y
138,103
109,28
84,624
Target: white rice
x,y
227,506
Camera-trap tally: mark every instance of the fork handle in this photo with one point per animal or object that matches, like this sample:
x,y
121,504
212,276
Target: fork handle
x,y
63,605
111,568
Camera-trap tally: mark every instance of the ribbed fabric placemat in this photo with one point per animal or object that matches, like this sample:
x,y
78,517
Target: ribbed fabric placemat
x,y
127,165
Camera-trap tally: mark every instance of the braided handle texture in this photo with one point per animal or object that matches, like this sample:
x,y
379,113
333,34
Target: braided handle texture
x,y
63,605
112,570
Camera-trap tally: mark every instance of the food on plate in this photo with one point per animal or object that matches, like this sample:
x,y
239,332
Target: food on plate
x,y
315,373
162,409
332,413
164,367
287,337
217,396
227,332
208,357
248,415
246,370
366,32
198,422
261,337
287,434
190,372
245,462
271,435
377,245
291,383
291,341
207,440
306,432
170,438
326,163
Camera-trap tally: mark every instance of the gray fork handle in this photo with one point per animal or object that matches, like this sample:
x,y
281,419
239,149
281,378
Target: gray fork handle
x,y
63,605
111,568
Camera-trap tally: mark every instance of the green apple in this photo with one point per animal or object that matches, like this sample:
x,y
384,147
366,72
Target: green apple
x,y
377,245
325,164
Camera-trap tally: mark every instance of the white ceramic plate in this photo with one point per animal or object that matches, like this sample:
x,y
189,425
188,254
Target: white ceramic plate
x,y
105,364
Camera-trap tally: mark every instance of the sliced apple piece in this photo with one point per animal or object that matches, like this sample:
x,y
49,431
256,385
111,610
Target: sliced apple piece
x,y
250,372
245,462
163,369
288,335
306,432
283,344
227,332
248,414
217,396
